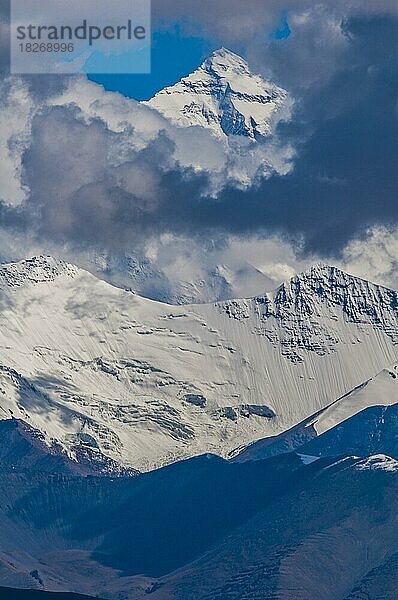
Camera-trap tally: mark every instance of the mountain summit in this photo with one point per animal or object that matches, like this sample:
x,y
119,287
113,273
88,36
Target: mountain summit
x,y
224,96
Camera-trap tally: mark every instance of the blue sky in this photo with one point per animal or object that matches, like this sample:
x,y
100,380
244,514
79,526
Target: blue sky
x,y
173,56
283,31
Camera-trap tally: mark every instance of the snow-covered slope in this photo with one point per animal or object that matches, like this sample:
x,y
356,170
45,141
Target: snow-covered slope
x,y
148,383
224,96
361,422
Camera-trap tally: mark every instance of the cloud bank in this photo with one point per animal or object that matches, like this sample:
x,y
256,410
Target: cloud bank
x,y
86,170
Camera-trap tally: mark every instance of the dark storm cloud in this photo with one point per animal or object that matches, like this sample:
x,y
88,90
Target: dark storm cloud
x,y
90,197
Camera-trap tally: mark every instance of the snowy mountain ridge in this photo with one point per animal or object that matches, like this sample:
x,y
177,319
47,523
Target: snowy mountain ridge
x,y
224,96
37,269
299,305
145,383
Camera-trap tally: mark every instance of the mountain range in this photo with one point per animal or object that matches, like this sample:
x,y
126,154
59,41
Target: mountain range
x,y
207,528
284,407
94,367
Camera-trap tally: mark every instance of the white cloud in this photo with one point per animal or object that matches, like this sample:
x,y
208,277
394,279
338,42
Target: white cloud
x,y
85,140
15,118
375,257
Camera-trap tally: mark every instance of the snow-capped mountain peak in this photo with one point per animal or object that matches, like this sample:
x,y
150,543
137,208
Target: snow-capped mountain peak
x,y
224,96
37,269
327,284
227,64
